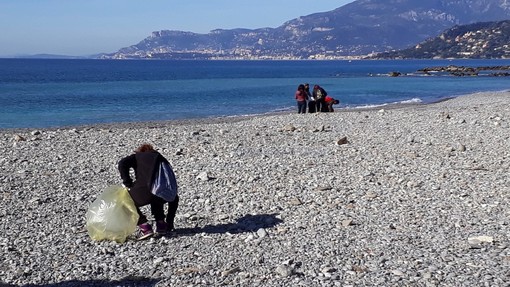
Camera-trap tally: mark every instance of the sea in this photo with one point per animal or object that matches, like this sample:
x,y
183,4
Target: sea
x,y
53,93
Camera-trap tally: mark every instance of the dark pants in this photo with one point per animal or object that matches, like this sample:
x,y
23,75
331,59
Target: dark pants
x,y
330,106
301,106
158,211
311,106
321,105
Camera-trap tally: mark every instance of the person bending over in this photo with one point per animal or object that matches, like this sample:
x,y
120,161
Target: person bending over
x,y
145,162
330,102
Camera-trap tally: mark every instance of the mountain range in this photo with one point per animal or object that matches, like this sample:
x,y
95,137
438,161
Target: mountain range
x,y
478,40
359,28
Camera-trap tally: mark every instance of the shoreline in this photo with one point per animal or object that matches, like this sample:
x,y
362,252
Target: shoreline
x,y
214,119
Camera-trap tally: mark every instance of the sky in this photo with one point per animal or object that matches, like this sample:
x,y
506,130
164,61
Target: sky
x,y
87,27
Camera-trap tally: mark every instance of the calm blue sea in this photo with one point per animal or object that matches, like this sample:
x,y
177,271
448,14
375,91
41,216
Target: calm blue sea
x,y
55,93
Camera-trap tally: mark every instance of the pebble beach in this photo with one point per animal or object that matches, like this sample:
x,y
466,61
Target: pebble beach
x,y
411,196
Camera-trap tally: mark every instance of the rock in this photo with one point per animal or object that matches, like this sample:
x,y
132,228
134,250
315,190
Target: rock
x,y
371,195
411,154
158,260
346,222
285,270
478,241
261,233
445,115
413,184
289,128
203,176
328,269
223,216
295,201
230,271
19,138
342,141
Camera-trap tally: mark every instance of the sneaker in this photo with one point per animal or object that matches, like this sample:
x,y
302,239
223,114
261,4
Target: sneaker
x,y
144,231
161,227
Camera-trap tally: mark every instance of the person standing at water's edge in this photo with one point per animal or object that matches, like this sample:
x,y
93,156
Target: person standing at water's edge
x,y
145,162
311,99
319,94
301,98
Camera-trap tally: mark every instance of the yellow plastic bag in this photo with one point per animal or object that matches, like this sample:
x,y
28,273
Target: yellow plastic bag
x,y
112,216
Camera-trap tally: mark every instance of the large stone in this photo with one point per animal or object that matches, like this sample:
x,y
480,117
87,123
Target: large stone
x,y
342,141
203,176
19,138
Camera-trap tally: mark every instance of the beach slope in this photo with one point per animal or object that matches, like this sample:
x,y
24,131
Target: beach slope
x,y
416,195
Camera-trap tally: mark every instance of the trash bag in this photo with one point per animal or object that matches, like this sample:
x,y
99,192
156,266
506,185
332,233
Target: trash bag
x,y
112,216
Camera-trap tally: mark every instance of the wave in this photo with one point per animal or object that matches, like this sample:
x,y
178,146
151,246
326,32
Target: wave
x,y
411,101
372,106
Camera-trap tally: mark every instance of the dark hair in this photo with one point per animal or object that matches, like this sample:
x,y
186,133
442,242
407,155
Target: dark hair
x,y
301,87
145,148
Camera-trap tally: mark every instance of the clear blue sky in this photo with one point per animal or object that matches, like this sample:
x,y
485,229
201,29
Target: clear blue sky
x,y
85,27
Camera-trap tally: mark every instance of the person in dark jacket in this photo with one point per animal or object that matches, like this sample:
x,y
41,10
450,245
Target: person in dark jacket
x,y
311,99
145,162
319,94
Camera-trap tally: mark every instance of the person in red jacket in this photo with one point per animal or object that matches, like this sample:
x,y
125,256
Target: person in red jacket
x,y
144,162
301,98
330,102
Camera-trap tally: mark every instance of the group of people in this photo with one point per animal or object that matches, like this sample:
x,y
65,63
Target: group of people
x,y
316,101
